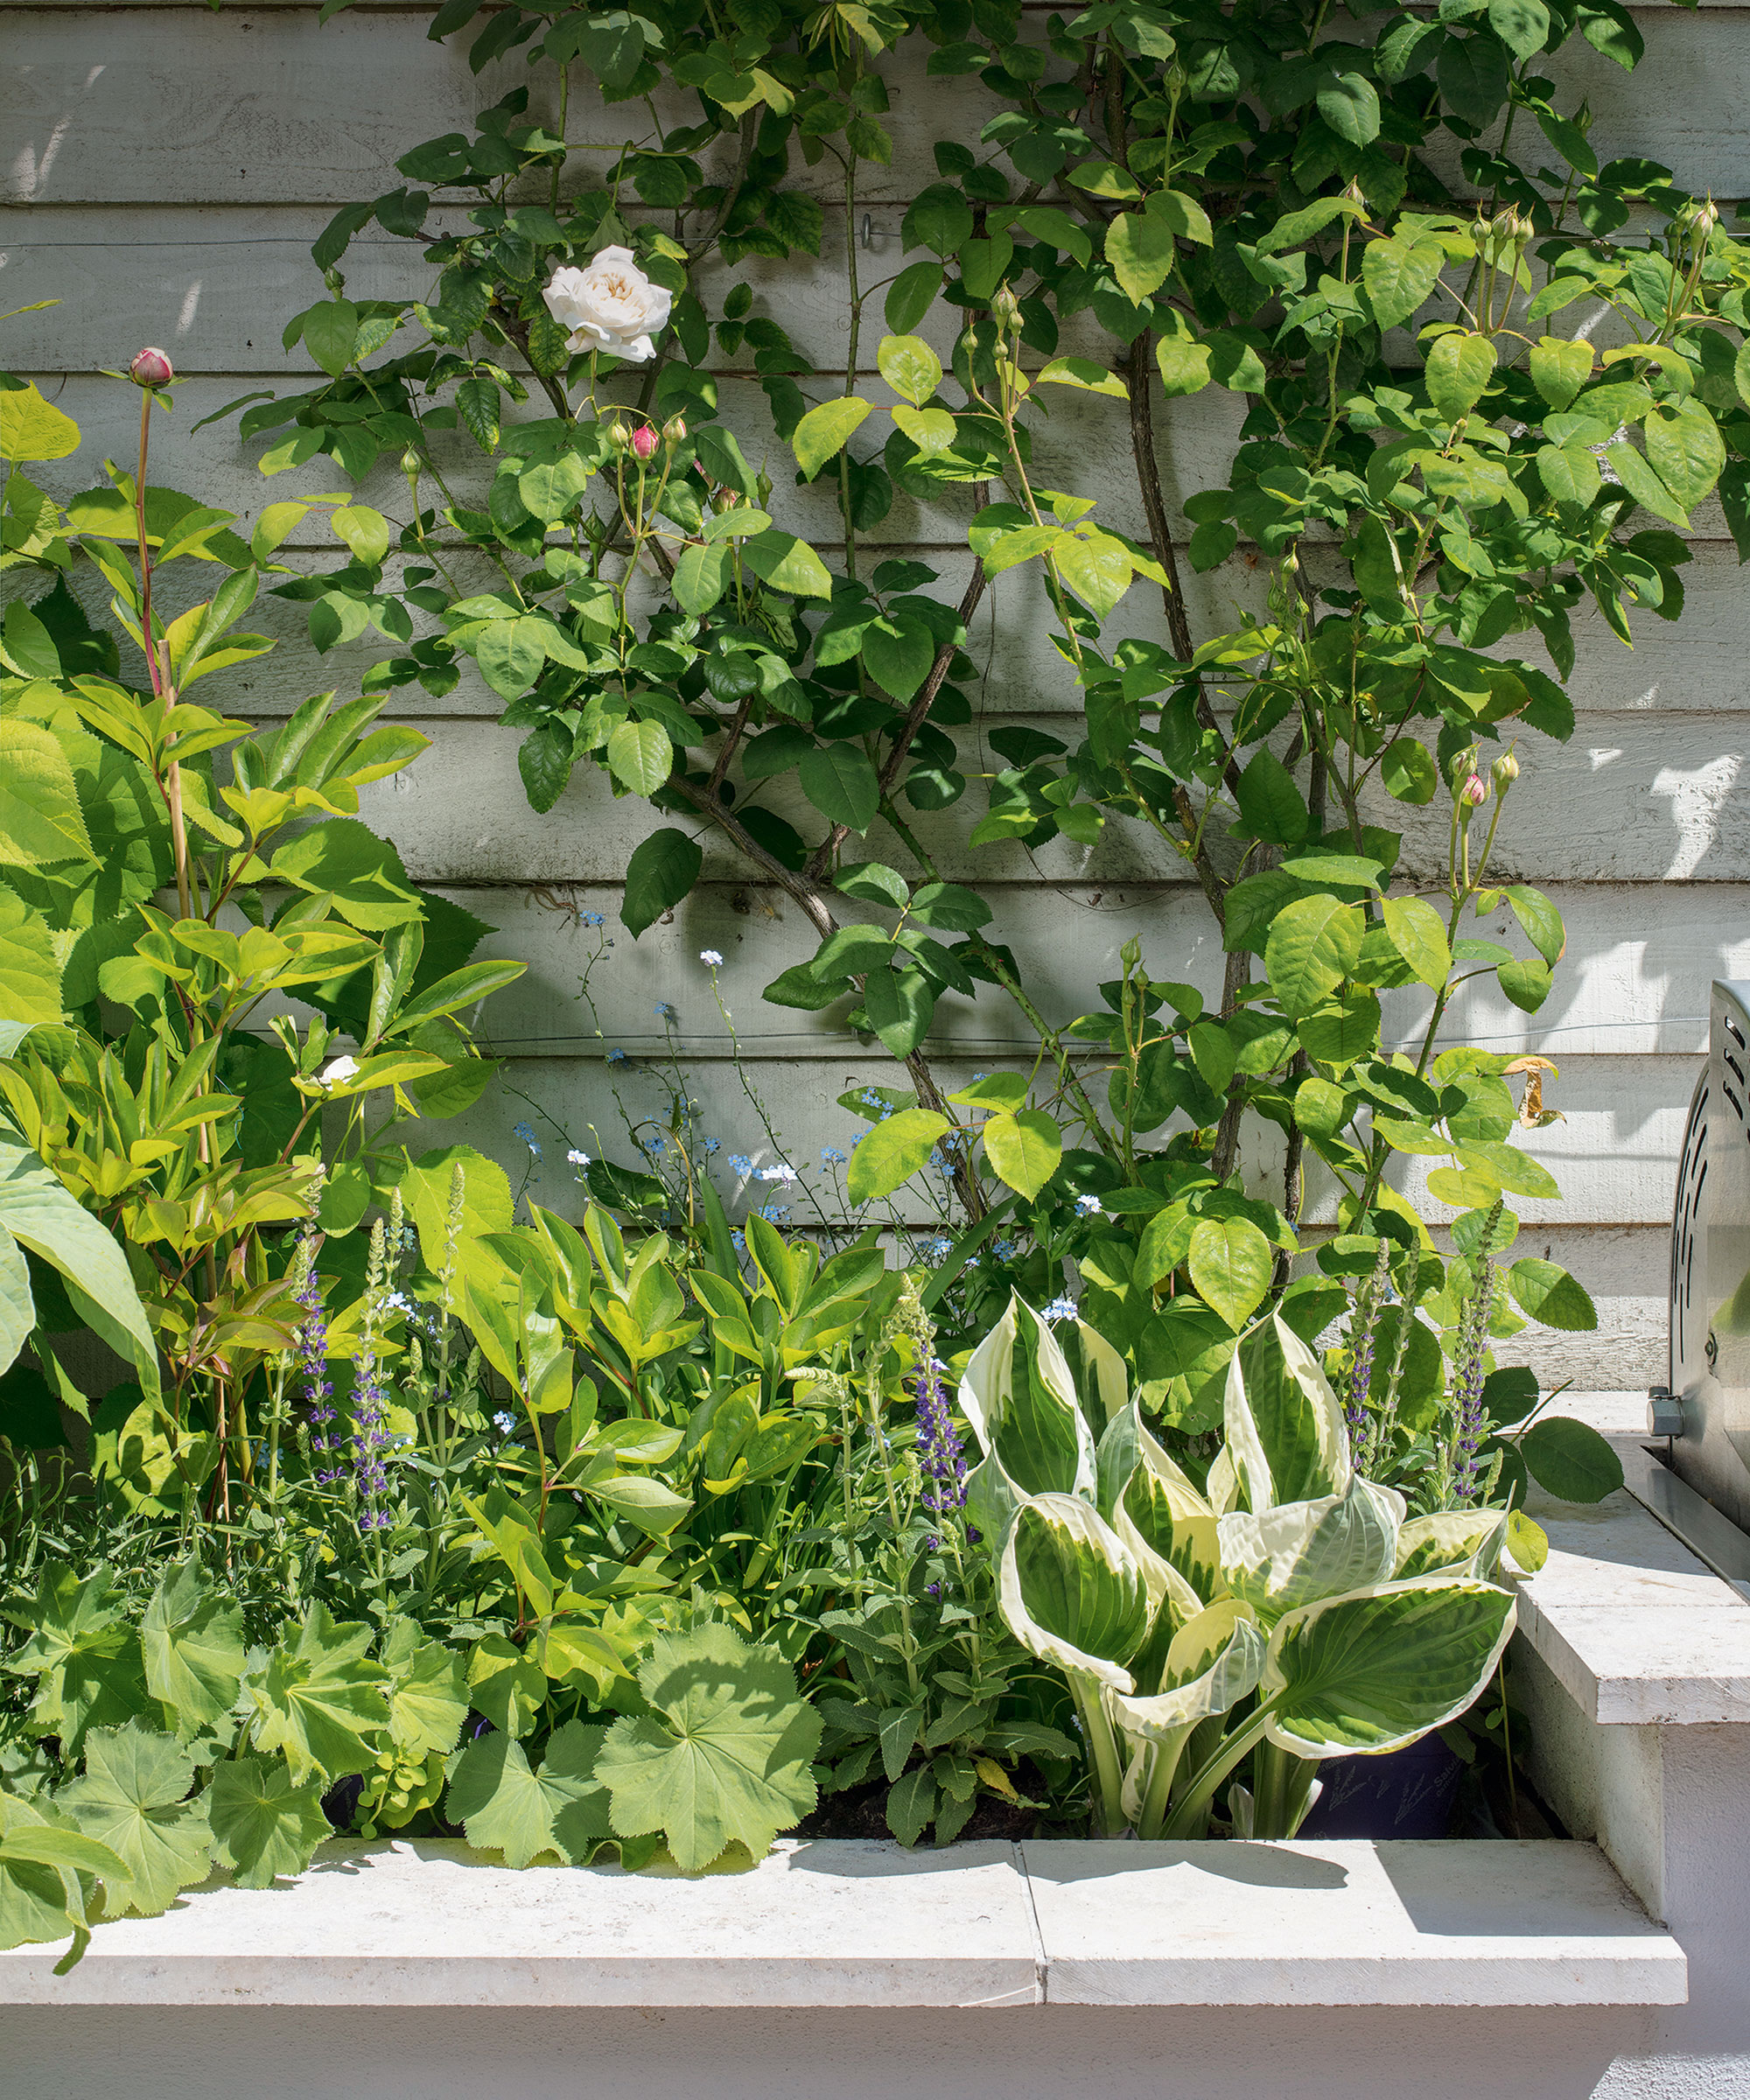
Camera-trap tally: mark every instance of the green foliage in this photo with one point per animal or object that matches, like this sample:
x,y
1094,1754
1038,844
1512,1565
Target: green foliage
x,y
722,1756
596,1491
1286,1575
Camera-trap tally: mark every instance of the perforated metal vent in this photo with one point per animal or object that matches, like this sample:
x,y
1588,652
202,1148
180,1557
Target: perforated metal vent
x,y
1710,1278
1689,1247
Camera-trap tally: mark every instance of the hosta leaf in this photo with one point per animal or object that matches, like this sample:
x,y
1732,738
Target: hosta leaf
x,y
262,1824
18,1308
1373,1671
1299,1551
506,1807
317,1696
1458,1542
1161,1509
1073,1592
133,1797
1214,1660
1019,1396
1285,1434
722,1757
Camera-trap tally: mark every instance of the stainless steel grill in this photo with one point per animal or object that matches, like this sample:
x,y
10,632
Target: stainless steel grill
x,y
1710,1309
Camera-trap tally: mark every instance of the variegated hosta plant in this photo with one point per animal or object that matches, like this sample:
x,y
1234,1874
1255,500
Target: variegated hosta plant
x,y
1286,1611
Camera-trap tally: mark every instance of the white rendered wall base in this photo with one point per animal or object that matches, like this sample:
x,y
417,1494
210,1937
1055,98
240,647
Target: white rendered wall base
x,y
1635,1663
992,1972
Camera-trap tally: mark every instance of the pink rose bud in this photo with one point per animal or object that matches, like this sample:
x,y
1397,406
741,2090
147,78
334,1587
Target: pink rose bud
x,y
674,431
1505,770
1473,790
644,442
150,368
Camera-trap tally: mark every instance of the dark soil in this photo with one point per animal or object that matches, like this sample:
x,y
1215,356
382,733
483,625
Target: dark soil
x,y
862,1812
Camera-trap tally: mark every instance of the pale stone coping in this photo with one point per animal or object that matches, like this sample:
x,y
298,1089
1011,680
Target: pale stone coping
x,y
1634,1627
846,1923
1444,1922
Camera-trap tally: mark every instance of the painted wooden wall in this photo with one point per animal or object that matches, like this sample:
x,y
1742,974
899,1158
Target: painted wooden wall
x,y
162,171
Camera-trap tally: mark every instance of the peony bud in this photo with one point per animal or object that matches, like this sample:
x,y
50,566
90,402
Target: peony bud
x,y
1473,789
644,442
1505,771
150,368
675,432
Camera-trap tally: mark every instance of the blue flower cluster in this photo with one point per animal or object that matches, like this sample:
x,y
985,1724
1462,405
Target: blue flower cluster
x,y
941,1459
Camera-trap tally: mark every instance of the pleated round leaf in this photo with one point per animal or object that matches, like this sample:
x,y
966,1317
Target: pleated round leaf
x,y
1374,1670
1215,1659
1302,1551
133,1797
1072,1590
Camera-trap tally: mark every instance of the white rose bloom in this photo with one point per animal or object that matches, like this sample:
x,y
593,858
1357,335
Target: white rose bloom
x,y
338,1071
612,305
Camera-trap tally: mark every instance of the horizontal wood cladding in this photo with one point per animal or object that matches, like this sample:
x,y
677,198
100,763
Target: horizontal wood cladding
x,y
1640,959
162,172
1631,799
260,105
